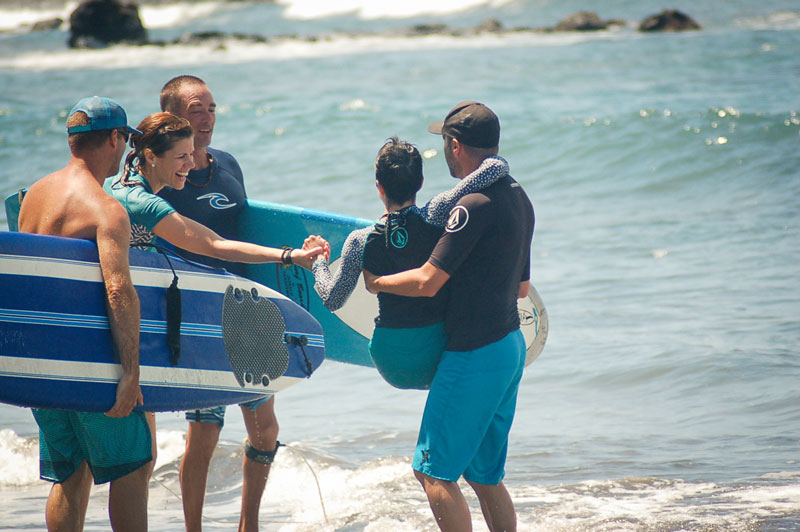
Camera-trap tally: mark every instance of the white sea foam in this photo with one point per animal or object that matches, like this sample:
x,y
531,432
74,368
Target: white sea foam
x,y
779,20
19,459
636,504
168,15
312,490
153,16
232,51
15,17
374,9
171,444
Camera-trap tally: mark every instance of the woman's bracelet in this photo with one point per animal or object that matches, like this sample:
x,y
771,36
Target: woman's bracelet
x,y
286,256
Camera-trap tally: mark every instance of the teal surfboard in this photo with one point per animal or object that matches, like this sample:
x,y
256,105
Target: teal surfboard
x,y
276,225
347,330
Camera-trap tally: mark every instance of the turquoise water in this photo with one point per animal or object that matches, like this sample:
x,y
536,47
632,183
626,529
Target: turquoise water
x,y
664,173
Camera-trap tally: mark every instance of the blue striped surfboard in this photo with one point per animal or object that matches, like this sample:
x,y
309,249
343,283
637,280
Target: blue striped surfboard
x,y
238,339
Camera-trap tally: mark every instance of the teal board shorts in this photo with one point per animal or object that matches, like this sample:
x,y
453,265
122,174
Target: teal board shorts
x,y
469,412
408,358
216,414
113,447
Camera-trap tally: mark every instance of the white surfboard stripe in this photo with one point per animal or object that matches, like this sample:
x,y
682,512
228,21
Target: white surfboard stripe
x,y
154,376
142,276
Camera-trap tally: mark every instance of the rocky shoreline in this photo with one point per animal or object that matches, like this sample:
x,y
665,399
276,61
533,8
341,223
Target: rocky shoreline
x,y
101,23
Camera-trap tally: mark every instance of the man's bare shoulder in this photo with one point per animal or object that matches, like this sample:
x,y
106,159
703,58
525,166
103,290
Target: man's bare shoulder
x,y
69,204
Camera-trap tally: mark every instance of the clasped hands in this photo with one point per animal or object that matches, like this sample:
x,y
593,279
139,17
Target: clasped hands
x,y
316,241
320,248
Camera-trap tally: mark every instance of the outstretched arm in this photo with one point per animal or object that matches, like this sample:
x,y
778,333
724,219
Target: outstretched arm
x,y
334,290
437,210
195,237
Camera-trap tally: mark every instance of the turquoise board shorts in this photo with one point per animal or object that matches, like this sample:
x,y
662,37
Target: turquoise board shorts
x,y
113,447
407,358
469,412
216,414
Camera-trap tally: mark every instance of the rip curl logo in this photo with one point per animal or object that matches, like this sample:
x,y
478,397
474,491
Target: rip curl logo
x,y
399,237
459,217
217,200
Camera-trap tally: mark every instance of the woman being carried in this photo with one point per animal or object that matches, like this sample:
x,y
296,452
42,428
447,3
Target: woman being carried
x,y
409,334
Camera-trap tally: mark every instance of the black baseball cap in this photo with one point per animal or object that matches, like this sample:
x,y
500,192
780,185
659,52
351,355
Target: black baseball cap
x,y
472,123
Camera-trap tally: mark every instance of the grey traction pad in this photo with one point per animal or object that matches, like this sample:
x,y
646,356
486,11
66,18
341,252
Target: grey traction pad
x,y
252,329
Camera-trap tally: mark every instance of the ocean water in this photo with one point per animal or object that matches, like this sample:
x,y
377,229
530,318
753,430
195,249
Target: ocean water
x,y
665,173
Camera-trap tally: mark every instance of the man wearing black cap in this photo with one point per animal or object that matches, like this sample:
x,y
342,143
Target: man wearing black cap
x,y
78,447
485,254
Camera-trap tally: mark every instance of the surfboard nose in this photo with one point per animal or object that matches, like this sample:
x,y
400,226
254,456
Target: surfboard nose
x,y
253,329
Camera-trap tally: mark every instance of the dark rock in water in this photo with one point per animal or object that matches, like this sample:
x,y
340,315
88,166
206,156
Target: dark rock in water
x,y
490,25
46,25
216,36
582,21
103,22
669,20
427,29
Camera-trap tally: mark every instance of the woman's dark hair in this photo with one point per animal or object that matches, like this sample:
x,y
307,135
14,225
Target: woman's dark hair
x,y
160,132
398,169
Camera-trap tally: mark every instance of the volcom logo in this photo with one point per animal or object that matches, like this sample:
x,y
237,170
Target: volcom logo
x,y
459,217
217,200
399,237
525,317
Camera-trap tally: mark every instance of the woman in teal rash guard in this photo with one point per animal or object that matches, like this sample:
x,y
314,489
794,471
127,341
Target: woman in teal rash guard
x,y
409,336
162,157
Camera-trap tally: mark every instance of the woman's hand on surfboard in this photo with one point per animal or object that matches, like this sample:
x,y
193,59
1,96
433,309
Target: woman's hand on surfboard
x,y
128,395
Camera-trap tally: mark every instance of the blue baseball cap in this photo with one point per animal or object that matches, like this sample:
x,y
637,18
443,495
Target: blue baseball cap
x,y
103,113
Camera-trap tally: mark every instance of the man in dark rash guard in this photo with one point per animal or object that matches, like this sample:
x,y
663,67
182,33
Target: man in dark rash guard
x,y
214,195
485,253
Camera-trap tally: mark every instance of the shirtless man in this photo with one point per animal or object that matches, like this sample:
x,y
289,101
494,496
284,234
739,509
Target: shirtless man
x,y
78,447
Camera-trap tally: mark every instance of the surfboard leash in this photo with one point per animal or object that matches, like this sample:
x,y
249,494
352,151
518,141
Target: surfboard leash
x,y
174,313
278,444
